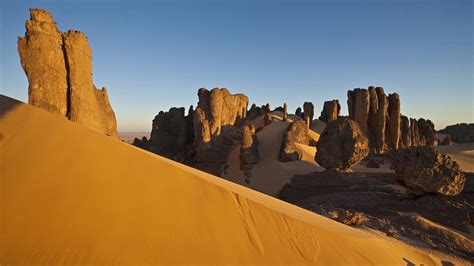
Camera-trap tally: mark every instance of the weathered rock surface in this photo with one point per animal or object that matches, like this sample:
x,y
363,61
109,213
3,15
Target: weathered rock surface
x,y
460,133
308,109
330,111
358,104
341,145
425,170
393,121
169,133
59,70
405,138
378,202
297,132
249,154
378,112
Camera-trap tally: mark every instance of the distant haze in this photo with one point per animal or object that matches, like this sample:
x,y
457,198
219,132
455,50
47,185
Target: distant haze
x,y
152,56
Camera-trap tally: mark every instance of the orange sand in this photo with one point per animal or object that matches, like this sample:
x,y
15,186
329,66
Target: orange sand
x,y
70,195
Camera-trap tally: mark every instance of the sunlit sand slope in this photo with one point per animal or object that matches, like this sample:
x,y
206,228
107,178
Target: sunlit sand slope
x,y
70,195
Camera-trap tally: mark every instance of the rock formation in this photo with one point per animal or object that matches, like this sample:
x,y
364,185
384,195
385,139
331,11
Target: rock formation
x,y
285,112
298,112
358,105
268,119
330,111
425,170
248,150
393,121
297,132
341,145
381,121
460,133
308,109
169,133
256,111
59,70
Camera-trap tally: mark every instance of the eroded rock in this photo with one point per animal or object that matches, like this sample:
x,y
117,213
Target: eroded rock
x,y
308,109
341,145
330,111
297,132
249,154
425,170
460,133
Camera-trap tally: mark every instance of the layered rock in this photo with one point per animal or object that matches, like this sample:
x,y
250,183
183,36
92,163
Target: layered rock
x,y
425,170
308,109
297,132
330,111
59,70
341,145
460,133
249,154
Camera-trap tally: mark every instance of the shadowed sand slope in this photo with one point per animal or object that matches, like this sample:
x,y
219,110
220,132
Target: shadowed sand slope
x,y
70,195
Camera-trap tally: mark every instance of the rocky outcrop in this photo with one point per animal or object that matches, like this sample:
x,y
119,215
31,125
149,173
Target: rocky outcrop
x,y
308,109
297,132
285,112
381,121
169,134
446,141
330,111
393,121
460,133
358,105
425,170
249,154
341,145
298,112
256,111
59,70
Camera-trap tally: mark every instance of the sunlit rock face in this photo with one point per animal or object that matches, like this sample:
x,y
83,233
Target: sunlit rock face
x,y
379,116
59,70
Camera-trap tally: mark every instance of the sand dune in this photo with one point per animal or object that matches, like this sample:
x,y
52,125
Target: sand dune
x,y
73,196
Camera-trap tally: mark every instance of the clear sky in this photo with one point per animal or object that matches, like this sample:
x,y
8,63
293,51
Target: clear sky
x,y
155,55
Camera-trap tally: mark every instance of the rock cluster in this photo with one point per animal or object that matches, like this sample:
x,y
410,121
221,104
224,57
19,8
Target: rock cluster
x,y
330,111
297,132
249,154
380,119
215,116
256,111
460,133
425,170
59,70
341,145
308,109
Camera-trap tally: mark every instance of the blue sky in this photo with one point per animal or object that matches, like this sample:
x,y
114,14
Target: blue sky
x,y
155,55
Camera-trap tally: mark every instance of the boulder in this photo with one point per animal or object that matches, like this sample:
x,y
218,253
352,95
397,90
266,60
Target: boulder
x,y
59,70
341,145
330,111
425,170
297,132
460,133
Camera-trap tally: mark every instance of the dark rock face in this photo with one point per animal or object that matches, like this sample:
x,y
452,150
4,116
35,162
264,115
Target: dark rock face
x,y
59,70
308,114
393,121
422,133
375,201
169,134
341,145
249,154
425,170
378,112
256,111
141,143
298,112
297,132
460,133
405,138
285,112
330,111
358,104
